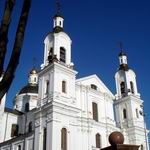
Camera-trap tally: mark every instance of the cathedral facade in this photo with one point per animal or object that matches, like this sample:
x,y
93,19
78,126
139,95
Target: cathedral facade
x,y
56,111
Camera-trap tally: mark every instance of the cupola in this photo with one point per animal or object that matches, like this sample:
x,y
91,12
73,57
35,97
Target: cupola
x,y
123,61
58,23
26,99
57,44
125,78
33,78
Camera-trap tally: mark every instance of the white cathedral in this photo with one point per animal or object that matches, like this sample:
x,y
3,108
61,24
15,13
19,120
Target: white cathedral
x,y
56,111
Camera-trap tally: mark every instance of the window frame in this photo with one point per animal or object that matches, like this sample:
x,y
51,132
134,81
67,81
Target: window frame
x,y
94,87
132,87
30,127
124,113
62,55
44,138
14,130
19,147
137,113
98,140
122,87
95,111
64,139
64,87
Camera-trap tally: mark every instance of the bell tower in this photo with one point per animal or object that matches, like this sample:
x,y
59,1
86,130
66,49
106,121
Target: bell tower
x,y
125,79
57,97
57,76
57,44
128,104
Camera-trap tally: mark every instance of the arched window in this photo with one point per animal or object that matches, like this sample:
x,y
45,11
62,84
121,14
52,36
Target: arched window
x,y
64,86
44,138
64,139
132,87
98,140
26,107
62,55
137,113
51,51
122,87
50,55
93,86
30,127
95,111
124,113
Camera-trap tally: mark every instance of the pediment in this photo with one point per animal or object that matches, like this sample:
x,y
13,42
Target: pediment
x,y
94,80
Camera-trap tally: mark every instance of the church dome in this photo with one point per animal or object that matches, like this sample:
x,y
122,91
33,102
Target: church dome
x,y
33,71
122,53
58,15
29,89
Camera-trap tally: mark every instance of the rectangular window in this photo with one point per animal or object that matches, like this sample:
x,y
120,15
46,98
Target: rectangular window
x,y
64,86
98,143
132,87
137,113
64,139
46,93
19,147
95,111
44,138
14,130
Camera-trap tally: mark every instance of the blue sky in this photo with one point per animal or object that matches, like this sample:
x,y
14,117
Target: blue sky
x,y
95,28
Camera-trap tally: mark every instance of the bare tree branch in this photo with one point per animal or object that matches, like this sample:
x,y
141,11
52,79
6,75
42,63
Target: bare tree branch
x,y
4,31
14,60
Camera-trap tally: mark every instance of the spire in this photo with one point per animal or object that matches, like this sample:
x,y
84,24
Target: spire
x,y
58,18
123,58
122,53
34,62
58,7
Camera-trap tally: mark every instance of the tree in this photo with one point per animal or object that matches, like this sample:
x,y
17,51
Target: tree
x,y
9,74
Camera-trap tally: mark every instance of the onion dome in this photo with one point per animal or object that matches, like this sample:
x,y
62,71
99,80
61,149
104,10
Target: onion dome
x,y
124,67
33,77
58,15
58,23
33,71
30,88
122,53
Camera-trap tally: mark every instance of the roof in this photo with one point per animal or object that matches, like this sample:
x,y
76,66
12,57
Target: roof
x,y
13,111
29,88
124,67
33,71
58,15
57,29
122,53
18,138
